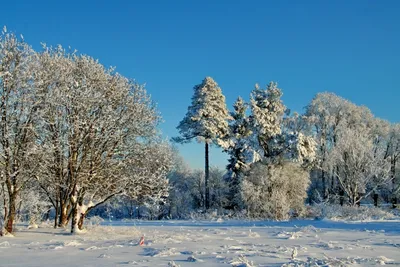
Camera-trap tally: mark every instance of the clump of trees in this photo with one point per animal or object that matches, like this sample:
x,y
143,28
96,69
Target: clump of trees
x,y
267,137
335,153
74,131
357,153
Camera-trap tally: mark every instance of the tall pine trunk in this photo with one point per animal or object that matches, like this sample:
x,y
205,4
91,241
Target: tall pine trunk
x,y
207,175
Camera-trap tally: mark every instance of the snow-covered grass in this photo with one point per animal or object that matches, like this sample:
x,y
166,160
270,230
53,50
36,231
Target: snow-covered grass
x,y
207,243
348,213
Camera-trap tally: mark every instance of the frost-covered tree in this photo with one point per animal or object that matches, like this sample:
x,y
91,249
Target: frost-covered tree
x,y
180,201
359,167
99,136
218,189
327,115
239,151
276,137
393,155
284,154
267,111
275,191
19,112
206,120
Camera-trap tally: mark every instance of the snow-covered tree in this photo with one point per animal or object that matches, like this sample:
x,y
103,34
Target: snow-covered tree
x,y
239,151
275,190
277,137
99,136
393,155
18,109
358,165
327,115
267,111
206,120
180,198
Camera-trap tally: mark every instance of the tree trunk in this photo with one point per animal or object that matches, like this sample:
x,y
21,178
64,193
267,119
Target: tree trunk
x,y
375,199
324,194
358,200
75,219
80,222
11,213
56,214
207,174
63,221
341,196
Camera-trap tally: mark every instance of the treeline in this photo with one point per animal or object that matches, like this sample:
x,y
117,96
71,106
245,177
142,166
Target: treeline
x,y
76,137
336,152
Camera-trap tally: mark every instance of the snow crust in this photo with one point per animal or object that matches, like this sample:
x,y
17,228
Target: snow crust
x,y
208,243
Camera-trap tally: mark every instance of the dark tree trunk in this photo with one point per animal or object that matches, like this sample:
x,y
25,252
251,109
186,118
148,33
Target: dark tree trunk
x,y
207,175
324,194
341,197
375,199
56,214
11,213
358,200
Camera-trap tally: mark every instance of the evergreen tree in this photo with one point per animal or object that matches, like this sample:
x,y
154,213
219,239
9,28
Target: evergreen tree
x,y
206,120
238,150
267,110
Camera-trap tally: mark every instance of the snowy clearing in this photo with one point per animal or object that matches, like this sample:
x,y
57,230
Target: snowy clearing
x,y
208,243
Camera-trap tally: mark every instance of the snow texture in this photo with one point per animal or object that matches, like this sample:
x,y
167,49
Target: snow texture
x,y
208,243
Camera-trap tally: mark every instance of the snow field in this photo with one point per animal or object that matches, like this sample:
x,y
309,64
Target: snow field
x,y
205,243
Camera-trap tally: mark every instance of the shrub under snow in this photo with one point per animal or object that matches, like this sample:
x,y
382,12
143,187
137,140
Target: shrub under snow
x,y
275,191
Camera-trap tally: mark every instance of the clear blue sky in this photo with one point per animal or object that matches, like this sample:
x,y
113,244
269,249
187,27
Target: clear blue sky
x,y
351,48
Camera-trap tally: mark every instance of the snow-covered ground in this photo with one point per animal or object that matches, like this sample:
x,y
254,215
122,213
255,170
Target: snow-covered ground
x,y
208,243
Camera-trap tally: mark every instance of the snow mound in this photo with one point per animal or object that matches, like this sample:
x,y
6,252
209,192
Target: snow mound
x,y
72,243
33,226
242,261
164,252
193,259
289,235
310,229
254,234
5,244
173,264
92,248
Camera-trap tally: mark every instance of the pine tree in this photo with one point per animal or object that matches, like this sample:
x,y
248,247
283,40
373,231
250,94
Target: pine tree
x,y
206,120
267,111
238,150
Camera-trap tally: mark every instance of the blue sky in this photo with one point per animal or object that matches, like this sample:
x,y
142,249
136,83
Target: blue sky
x,y
351,48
